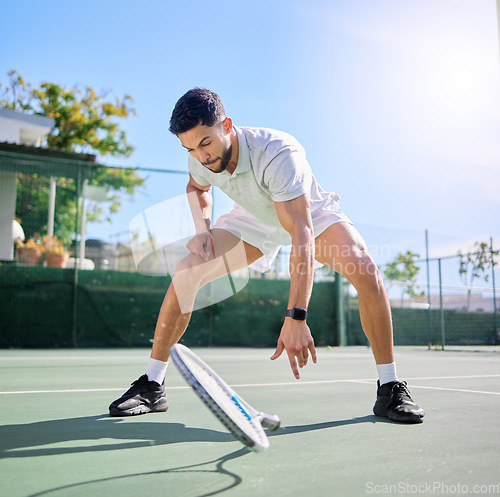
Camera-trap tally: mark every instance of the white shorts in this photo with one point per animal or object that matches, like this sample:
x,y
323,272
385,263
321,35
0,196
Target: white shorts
x,y
269,239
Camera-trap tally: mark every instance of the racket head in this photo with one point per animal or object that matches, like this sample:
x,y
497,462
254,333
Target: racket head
x,y
235,414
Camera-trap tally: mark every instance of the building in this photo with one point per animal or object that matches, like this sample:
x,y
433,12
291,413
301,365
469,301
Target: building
x,y
20,152
20,129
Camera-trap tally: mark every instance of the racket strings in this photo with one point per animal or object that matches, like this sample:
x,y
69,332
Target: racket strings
x,y
227,402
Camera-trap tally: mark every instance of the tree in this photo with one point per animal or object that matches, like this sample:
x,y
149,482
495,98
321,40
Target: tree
x,y
85,122
404,270
84,119
474,265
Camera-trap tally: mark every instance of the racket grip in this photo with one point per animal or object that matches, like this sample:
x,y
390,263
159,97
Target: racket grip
x,y
269,421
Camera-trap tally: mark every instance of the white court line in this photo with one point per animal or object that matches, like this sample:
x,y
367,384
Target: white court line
x,y
456,390
89,390
71,358
244,385
441,388
455,377
367,381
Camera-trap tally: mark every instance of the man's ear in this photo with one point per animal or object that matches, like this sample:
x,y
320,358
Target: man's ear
x,y
228,125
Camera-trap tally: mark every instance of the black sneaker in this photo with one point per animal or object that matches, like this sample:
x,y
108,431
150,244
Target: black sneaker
x,y
142,397
394,402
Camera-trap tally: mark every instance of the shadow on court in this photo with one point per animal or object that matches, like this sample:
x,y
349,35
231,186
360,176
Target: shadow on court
x,y
54,442
195,480
288,430
21,440
15,438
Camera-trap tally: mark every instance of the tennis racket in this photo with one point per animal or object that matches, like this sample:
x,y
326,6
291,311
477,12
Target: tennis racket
x,y
243,421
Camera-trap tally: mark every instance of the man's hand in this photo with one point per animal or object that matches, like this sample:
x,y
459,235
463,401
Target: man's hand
x,y
297,340
202,244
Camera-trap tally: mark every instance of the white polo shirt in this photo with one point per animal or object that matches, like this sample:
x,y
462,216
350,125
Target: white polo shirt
x,y
272,167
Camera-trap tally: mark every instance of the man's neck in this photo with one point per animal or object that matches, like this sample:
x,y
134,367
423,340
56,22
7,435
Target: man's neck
x,y
233,163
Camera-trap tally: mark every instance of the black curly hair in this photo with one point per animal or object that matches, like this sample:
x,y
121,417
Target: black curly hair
x,y
197,106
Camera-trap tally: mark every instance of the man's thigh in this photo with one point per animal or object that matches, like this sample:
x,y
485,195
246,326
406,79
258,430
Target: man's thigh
x,y
193,272
240,253
341,248
230,253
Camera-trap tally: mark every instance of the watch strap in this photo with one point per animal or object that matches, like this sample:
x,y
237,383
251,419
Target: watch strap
x,y
297,313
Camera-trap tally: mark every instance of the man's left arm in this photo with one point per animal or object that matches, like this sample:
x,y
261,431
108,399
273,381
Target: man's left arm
x,y
295,337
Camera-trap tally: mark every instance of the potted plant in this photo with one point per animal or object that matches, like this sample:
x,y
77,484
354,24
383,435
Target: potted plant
x,y
30,251
53,249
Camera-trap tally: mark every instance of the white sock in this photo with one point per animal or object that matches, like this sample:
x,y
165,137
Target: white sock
x,y
387,373
156,370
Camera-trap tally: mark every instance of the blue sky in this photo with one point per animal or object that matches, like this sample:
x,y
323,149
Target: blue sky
x,y
397,103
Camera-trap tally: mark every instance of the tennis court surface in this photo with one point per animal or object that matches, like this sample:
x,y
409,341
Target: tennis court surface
x,y
57,438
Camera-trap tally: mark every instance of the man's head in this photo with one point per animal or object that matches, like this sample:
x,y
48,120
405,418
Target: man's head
x,y
200,123
197,106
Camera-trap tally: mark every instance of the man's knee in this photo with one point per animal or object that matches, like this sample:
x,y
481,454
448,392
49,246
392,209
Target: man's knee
x,y
193,267
188,262
198,271
363,273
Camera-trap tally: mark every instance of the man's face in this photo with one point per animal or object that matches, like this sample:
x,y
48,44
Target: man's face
x,y
209,145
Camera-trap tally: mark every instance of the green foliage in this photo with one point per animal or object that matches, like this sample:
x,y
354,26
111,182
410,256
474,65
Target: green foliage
x,y
18,96
85,122
118,181
404,269
474,265
33,200
33,203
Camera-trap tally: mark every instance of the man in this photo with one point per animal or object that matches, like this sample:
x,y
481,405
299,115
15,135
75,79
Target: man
x,y
278,202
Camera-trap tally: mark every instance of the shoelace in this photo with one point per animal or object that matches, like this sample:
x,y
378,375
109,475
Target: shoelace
x,y
137,384
401,390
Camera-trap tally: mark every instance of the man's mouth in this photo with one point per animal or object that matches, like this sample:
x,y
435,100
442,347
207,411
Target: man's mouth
x,y
210,163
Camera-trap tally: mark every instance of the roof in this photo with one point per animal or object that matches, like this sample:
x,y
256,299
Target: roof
x,y
33,119
47,162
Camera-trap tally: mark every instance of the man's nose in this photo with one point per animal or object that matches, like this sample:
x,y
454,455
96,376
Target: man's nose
x,y
203,157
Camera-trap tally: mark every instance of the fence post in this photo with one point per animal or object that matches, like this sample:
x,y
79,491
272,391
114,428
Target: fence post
x,y
52,206
495,324
429,312
75,274
441,311
339,291
348,318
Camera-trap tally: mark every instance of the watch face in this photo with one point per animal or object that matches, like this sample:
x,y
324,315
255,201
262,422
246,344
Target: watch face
x,y
299,314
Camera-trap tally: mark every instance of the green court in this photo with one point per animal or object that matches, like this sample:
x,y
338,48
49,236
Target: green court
x,y
58,440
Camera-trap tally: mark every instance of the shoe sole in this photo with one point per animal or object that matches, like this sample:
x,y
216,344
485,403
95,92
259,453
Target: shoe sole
x,y
393,416
159,406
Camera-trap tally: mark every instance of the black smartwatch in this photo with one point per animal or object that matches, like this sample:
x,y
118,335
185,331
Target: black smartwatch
x,y
296,313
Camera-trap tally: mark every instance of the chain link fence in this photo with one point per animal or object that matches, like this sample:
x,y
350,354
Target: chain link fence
x,y
88,269
451,299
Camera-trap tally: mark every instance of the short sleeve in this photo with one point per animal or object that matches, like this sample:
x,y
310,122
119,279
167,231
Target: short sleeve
x,y
196,171
288,174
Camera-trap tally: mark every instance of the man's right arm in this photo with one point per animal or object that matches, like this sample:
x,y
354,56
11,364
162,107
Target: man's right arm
x,y
200,201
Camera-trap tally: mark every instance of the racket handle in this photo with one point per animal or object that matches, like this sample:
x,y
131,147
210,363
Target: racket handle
x,y
269,421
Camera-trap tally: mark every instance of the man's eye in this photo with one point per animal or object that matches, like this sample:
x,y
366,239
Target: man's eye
x,y
206,144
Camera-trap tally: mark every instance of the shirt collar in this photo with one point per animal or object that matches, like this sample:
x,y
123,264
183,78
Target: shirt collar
x,y
244,163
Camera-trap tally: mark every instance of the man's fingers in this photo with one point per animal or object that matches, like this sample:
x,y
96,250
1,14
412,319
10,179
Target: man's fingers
x,y
312,349
205,252
293,365
279,349
208,247
298,355
305,356
202,245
